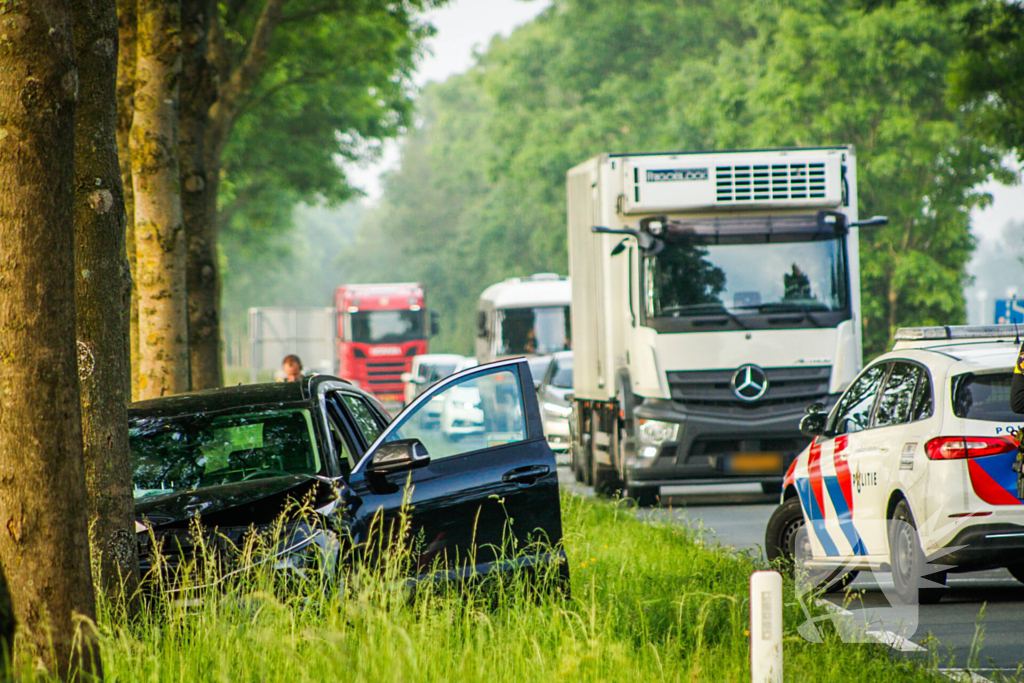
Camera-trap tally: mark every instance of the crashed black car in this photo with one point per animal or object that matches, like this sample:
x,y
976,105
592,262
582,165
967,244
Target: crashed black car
x,y
225,463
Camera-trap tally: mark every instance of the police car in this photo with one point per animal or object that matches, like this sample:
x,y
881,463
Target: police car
x,y
912,471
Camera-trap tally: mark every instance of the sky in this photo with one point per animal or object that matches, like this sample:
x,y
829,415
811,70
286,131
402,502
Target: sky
x,y
463,27
466,26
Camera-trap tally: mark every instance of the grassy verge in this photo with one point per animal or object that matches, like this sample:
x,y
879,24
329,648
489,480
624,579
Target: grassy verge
x,y
649,603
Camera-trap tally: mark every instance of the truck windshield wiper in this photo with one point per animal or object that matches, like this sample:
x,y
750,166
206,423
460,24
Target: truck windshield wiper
x,y
705,311
783,307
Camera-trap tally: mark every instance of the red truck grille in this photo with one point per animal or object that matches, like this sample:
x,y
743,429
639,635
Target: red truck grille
x,y
385,373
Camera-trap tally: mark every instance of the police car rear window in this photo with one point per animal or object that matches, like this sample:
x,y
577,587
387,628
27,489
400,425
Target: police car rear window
x,y
983,397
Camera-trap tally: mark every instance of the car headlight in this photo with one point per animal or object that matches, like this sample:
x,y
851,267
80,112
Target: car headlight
x,y
655,433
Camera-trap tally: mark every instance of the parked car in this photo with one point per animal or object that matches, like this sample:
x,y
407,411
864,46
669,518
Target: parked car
x,y
913,464
555,395
233,459
428,368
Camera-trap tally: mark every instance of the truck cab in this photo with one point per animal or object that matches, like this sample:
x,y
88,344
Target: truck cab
x,y
716,296
524,316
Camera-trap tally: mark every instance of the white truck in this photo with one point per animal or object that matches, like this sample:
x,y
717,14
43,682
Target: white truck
x,y
715,296
524,316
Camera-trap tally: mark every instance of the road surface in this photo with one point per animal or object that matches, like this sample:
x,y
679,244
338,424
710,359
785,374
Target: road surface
x,y
982,613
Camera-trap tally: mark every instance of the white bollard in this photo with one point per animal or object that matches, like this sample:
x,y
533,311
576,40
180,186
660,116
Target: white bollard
x,y
766,627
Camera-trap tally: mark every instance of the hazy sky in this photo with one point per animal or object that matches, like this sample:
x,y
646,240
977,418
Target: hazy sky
x,y
467,25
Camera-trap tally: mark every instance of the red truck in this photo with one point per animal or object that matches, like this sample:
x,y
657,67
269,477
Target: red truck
x,y
380,327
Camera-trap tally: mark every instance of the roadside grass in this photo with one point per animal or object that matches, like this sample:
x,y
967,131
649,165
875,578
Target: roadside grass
x,y
650,602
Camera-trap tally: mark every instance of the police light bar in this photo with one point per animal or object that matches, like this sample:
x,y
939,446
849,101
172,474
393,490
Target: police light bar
x,y
956,332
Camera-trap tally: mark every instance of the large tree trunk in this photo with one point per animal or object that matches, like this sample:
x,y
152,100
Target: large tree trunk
x,y
159,231
44,546
125,113
198,92
102,299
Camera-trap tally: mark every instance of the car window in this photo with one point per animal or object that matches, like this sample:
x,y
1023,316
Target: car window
x,y
923,401
561,374
341,446
362,414
984,397
480,411
853,413
896,402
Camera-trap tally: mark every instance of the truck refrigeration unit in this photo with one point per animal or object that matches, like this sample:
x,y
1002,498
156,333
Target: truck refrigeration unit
x,y
715,296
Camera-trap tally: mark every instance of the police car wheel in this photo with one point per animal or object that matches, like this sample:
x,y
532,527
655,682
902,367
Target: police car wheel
x,y
908,563
780,537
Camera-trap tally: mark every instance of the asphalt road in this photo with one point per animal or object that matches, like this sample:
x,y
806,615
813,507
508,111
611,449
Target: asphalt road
x,y
979,623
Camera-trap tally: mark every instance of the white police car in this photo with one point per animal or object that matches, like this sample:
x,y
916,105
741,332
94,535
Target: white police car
x,y
922,436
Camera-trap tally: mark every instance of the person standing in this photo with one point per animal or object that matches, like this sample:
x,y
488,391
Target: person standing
x,y
291,366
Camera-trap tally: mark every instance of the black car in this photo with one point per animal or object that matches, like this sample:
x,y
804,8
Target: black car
x,y
233,460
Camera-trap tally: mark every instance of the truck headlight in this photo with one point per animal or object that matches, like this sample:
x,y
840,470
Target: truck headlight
x,y
655,433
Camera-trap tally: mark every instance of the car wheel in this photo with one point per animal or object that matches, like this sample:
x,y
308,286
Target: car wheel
x,y
781,539
908,562
772,488
1017,571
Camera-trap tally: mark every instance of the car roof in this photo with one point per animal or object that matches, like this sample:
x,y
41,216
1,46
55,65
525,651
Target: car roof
x,y
562,355
962,357
438,358
239,396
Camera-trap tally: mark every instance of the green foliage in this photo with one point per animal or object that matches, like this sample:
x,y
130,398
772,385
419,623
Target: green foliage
x,y
485,173
650,602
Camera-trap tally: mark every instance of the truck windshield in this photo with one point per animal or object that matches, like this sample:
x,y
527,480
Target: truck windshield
x,y
700,275
194,451
537,329
386,327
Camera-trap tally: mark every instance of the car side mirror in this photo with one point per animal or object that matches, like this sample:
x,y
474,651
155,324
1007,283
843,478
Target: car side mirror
x,y
398,456
407,377
813,424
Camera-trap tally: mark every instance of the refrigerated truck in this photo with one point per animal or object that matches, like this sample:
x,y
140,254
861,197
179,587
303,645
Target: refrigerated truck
x,y
715,296
524,316
380,327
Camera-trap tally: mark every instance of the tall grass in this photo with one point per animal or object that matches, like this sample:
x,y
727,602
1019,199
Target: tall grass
x,y
649,602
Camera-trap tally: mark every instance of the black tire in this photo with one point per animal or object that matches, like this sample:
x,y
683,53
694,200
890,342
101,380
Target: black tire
x,y
780,543
575,465
1017,571
605,477
645,496
771,488
908,563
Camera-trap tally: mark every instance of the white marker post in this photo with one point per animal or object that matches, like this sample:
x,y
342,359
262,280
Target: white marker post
x,y
766,627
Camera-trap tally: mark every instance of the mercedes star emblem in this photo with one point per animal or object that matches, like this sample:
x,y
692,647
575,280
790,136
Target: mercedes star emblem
x,y
749,383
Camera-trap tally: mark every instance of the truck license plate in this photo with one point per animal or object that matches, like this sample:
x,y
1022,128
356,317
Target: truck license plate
x,y
754,463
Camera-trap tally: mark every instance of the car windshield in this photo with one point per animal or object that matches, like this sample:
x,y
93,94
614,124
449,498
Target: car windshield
x,y
537,329
984,397
706,274
562,377
386,327
199,450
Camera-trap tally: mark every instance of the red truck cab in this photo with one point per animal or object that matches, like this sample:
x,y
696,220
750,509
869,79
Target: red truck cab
x,y
380,328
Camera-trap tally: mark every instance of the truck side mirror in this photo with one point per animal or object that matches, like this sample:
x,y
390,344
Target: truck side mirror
x,y
481,324
435,323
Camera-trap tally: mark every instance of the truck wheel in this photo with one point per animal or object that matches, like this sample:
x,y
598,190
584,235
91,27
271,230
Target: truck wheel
x,y
645,496
604,477
908,561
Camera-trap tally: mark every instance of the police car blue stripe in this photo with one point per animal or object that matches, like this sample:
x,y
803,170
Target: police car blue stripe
x,y
815,516
835,492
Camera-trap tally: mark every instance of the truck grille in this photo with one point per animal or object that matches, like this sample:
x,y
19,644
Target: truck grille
x,y
385,373
763,182
713,388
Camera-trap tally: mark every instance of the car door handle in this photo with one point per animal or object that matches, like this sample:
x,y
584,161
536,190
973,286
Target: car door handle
x,y
525,475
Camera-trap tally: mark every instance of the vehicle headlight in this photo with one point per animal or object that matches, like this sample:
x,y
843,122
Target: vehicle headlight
x,y
655,433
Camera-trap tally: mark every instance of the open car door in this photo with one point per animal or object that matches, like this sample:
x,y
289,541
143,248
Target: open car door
x,y
478,486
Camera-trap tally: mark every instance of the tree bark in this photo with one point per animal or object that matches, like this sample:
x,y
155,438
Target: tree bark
x,y
44,546
102,300
125,112
159,230
198,92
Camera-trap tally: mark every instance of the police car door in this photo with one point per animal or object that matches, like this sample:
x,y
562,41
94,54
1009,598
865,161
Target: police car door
x,y
891,442
827,495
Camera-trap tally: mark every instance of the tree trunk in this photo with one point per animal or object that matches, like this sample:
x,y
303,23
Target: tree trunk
x,y
102,299
159,231
44,546
198,92
125,112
